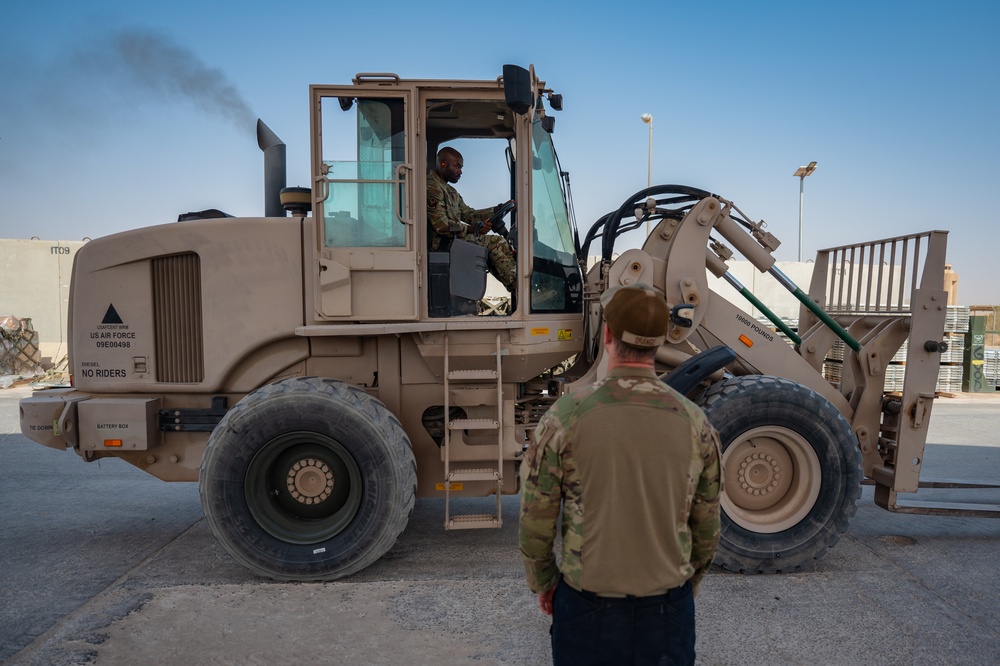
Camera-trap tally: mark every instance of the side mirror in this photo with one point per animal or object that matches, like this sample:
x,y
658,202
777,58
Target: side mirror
x,y
517,89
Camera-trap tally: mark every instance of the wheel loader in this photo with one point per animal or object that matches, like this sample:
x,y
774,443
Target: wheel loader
x,y
318,368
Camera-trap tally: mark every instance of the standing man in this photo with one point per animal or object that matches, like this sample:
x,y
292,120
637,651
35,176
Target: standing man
x,y
634,467
451,218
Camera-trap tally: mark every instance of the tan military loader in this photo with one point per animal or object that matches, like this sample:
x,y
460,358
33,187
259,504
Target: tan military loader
x,y
317,369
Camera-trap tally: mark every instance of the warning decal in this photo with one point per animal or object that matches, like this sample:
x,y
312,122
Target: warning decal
x,y
111,334
111,316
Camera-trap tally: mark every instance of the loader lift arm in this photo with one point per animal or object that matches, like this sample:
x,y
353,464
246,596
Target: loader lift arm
x,y
792,478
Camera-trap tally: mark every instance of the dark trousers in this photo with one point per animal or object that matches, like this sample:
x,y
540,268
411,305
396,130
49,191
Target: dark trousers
x,y
588,629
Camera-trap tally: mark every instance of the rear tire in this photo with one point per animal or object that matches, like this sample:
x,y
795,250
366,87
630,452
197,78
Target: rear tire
x,y
791,470
308,479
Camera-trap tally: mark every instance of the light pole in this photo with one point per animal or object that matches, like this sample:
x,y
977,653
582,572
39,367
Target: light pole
x,y
648,119
801,174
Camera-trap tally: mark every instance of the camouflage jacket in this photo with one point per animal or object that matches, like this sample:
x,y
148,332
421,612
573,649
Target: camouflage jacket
x,y
634,468
446,211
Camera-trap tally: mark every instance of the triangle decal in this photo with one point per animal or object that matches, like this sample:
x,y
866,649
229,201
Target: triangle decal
x,y
111,316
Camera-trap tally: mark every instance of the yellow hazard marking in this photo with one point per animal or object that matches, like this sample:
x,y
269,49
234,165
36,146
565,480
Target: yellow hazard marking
x,y
979,363
565,334
747,341
454,486
540,331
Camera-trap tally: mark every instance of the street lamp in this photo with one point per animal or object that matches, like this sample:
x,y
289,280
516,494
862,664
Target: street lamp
x,y
648,119
801,174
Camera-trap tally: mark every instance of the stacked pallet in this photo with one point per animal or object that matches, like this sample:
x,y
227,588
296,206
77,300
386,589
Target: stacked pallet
x,y
956,325
951,372
991,367
957,319
956,348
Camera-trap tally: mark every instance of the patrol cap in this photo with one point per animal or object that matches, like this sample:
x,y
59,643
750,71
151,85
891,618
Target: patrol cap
x,y
636,314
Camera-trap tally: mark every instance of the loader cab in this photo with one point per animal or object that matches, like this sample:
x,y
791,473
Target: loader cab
x,y
374,144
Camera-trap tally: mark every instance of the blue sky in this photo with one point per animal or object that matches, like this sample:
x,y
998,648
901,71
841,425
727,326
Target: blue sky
x,y
895,101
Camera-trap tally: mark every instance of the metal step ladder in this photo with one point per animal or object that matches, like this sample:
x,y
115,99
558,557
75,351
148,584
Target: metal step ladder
x,y
472,388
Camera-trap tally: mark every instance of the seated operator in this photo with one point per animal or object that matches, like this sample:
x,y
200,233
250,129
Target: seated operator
x,y
449,217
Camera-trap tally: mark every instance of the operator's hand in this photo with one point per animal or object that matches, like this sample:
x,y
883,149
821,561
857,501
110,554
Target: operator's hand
x,y
545,600
485,226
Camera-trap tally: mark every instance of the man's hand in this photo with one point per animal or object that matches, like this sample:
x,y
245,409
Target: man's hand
x,y
545,600
486,225
496,209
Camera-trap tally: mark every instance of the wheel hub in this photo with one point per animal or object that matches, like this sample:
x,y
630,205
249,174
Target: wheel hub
x,y
310,481
763,475
759,474
772,479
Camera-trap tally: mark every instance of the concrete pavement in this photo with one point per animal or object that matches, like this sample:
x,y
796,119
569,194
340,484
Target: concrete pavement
x,y
106,565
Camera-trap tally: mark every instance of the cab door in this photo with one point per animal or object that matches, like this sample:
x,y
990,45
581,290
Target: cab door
x,y
363,200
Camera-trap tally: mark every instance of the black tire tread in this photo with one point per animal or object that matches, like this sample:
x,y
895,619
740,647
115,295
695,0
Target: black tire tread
x,y
399,454
757,397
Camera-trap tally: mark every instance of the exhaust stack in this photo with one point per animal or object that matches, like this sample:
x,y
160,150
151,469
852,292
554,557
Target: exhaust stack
x,y
274,169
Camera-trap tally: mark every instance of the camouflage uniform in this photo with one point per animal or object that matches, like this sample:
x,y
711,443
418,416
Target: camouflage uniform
x,y
634,466
448,216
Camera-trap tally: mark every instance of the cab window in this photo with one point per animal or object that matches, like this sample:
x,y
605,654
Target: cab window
x,y
556,284
363,146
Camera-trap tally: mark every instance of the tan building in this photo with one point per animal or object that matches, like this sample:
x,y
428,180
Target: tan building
x,y
34,284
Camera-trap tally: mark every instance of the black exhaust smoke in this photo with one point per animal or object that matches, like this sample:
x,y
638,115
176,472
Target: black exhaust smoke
x,y
274,169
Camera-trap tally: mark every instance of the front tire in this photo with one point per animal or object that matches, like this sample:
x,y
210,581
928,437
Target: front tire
x,y
791,471
308,479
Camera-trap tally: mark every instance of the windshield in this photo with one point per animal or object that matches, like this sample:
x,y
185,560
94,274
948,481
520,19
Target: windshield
x,y
556,285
